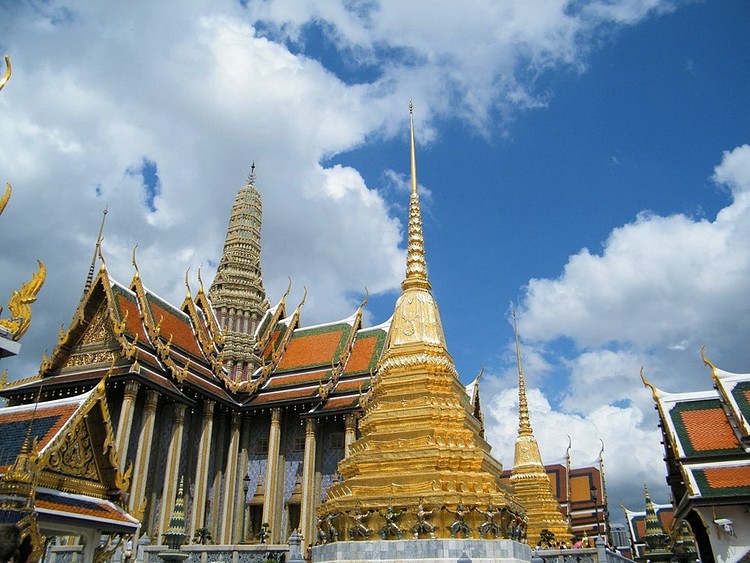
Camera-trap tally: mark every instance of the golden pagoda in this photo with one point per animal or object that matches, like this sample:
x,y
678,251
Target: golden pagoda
x,y
421,454
529,479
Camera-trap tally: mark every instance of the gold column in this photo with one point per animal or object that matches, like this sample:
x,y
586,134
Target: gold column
x,y
143,456
172,471
307,512
125,421
201,469
230,481
350,432
271,512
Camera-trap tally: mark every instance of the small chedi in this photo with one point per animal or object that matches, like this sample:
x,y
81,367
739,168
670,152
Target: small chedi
x,y
421,467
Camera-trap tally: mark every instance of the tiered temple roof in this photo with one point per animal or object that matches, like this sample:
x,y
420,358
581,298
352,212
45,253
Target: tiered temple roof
x,y
325,368
707,453
707,440
58,464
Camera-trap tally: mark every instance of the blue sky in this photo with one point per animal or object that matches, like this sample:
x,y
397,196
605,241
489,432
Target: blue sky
x,y
585,162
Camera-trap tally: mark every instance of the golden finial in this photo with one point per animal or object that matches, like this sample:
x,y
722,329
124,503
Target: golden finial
x,y
710,364
200,279
304,297
187,282
135,263
524,425
97,253
8,72
364,301
648,384
6,196
416,264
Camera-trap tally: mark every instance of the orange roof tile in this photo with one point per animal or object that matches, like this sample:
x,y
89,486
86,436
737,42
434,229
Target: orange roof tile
x,y
360,360
178,328
295,379
314,348
708,429
724,477
133,324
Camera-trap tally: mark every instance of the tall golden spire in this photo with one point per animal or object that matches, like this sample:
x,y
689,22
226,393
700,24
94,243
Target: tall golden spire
x,y
416,264
524,425
416,319
420,442
529,479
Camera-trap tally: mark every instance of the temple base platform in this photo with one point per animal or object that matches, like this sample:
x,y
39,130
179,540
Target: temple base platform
x,y
423,551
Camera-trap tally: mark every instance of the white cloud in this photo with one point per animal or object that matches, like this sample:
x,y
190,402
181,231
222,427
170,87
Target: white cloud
x,y
632,450
661,288
204,90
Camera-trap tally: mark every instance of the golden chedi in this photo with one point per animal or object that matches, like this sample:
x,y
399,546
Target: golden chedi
x,y
421,467
529,479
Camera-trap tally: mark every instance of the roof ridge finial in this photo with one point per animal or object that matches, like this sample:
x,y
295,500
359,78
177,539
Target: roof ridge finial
x,y
97,252
8,72
524,425
416,264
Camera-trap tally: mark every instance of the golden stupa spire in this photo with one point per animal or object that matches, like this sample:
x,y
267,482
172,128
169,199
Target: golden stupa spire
x,y
524,425
420,442
529,479
416,319
416,265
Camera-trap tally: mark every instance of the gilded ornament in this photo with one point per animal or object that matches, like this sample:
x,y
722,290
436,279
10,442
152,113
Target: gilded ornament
x,y
20,304
5,197
8,72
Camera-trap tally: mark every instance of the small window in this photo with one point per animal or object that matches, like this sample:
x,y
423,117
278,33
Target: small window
x,y
336,441
261,446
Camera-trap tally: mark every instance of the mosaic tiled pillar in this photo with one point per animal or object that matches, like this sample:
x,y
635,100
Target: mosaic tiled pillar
x,y
172,472
243,480
143,456
230,481
201,469
125,422
271,495
307,516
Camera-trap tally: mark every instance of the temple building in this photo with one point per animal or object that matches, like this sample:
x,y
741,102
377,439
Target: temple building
x,y
655,536
270,425
706,437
